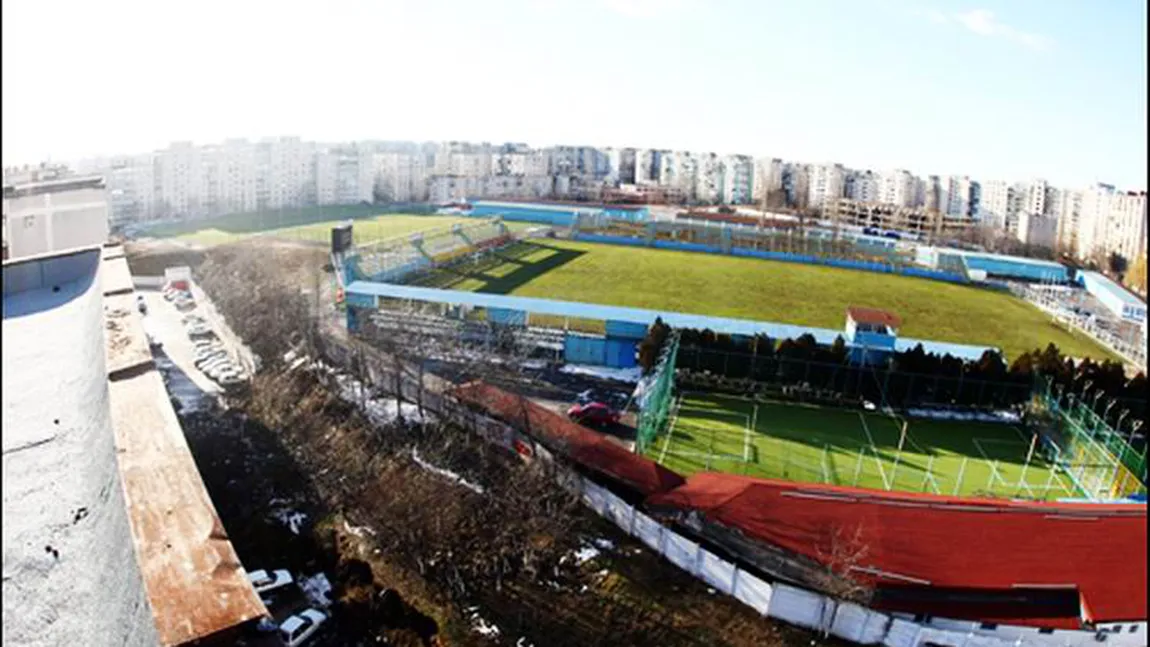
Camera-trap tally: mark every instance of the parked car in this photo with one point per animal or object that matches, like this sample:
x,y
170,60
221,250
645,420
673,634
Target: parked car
x,y
231,379
215,366
141,305
192,319
301,626
593,413
199,330
203,360
264,581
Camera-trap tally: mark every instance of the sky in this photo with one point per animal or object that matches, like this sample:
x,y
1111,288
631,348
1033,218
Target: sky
x,y
1011,90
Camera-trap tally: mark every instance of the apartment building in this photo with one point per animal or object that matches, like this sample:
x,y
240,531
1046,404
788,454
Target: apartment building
x,y
678,171
768,180
1037,229
1067,210
1037,197
862,186
796,184
738,180
708,178
959,196
897,188
400,177
995,203
1110,221
443,189
825,184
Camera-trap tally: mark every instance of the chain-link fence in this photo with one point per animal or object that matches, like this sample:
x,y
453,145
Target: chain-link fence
x,y
846,382
1101,461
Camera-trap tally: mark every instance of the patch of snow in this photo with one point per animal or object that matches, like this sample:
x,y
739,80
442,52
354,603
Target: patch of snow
x,y
358,531
317,588
603,544
534,364
523,642
292,519
630,375
586,554
481,626
448,474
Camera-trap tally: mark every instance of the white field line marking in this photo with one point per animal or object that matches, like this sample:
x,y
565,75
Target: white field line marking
x,y
993,468
874,452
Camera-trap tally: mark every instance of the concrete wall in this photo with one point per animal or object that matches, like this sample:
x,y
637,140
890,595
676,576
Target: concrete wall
x,y
55,221
70,570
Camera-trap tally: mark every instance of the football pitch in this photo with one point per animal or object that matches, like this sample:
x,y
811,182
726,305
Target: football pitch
x,y
309,224
761,290
854,448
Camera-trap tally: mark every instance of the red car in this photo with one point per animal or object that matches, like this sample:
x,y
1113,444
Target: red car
x,y
593,413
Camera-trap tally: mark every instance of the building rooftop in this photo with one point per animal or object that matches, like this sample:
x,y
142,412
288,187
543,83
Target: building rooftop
x,y
109,534
874,316
40,187
923,541
1097,282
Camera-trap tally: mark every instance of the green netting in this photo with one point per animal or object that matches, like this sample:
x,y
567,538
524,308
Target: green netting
x,y
1100,461
655,410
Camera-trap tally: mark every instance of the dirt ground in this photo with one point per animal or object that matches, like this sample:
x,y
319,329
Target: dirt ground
x,y
502,557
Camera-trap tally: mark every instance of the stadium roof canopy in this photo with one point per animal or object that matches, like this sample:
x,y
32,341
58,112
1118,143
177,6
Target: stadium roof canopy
x,y
721,325
1098,282
939,542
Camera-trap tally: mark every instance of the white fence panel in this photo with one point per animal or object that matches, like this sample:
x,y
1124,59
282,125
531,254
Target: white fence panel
x,y
153,282
859,624
680,551
619,512
752,591
797,606
902,634
716,572
648,531
595,497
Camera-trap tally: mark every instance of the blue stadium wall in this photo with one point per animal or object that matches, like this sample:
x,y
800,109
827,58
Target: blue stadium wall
x,y
558,215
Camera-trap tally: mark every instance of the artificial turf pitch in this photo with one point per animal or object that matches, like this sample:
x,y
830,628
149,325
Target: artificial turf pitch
x,y
853,448
792,293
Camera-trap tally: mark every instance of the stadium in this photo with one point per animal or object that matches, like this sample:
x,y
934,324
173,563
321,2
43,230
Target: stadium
x,y
776,400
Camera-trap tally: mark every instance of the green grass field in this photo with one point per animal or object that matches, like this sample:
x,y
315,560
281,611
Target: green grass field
x,y
762,290
853,448
311,224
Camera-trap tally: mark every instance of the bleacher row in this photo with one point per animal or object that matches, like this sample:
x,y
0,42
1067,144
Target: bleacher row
x,y
431,250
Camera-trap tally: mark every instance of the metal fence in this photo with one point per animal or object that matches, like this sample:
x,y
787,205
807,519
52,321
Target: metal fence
x,y
1100,460
898,389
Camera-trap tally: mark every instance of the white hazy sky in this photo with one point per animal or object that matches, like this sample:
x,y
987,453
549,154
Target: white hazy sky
x,y
997,89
